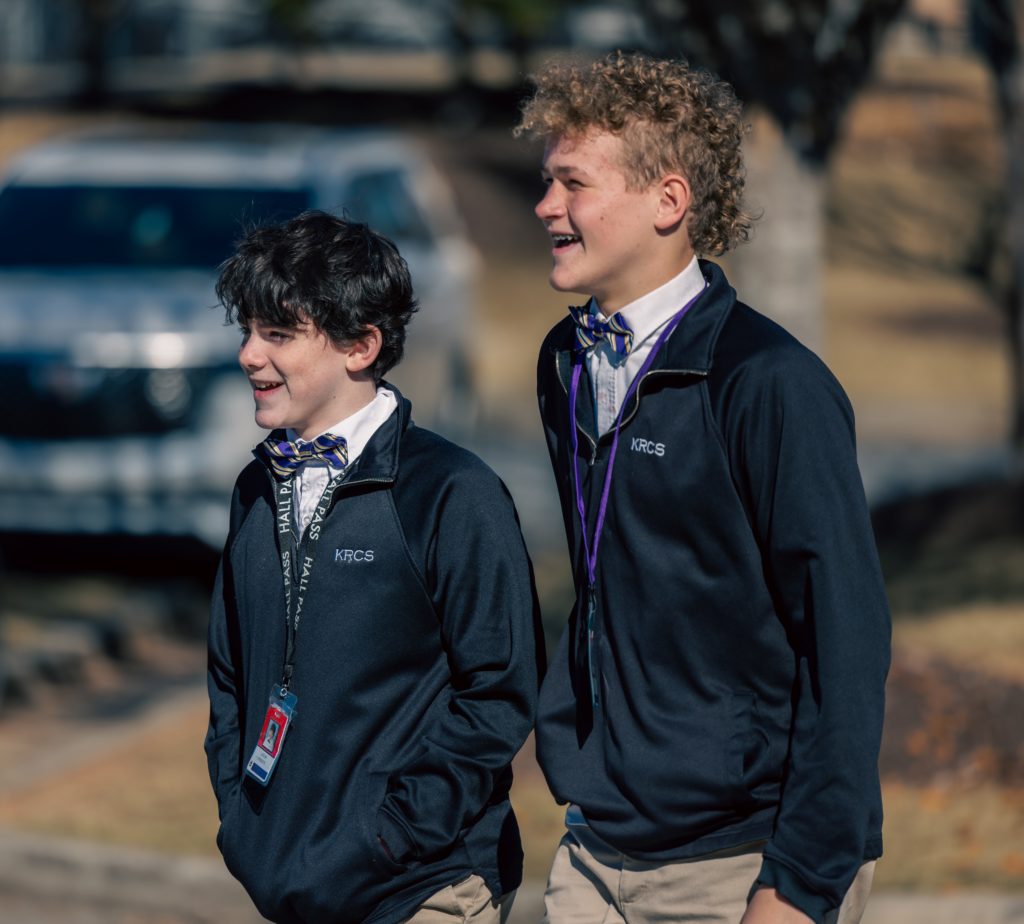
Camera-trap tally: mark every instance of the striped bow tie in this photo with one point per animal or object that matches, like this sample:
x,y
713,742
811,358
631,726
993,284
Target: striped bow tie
x,y
590,328
286,457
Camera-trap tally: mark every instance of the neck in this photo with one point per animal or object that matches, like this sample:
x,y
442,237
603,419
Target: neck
x,y
652,282
357,396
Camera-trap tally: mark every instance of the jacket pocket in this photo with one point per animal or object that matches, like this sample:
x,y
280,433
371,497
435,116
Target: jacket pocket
x,y
228,823
376,788
406,854
343,874
749,749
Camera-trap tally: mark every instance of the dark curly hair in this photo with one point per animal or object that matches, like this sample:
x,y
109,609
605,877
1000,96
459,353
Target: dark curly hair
x,y
672,119
341,276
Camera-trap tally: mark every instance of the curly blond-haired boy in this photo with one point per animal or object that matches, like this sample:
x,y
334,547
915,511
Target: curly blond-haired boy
x,y
713,714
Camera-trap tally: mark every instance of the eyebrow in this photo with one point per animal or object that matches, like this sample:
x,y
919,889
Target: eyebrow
x,y
272,326
563,170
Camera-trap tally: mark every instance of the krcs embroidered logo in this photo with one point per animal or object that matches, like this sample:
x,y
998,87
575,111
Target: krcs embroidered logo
x,y
649,446
348,556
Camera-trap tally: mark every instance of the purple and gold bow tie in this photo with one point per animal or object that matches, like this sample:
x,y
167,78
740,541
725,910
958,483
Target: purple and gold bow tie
x,y
590,328
287,456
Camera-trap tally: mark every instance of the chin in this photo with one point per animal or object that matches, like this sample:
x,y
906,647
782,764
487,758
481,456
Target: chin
x,y
560,285
267,423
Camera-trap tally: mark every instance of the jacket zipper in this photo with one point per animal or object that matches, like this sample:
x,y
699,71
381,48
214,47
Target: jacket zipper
x,y
636,397
301,544
593,445
346,484
636,407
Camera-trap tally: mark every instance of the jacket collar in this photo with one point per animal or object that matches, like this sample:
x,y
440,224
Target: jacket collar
x,y
692,344
689,350
378,462
691,347
379,459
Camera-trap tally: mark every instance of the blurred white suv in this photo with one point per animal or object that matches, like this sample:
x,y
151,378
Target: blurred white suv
x,y
125,410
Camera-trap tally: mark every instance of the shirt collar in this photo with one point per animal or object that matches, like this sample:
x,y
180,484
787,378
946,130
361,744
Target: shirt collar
x,y
648,313
357,428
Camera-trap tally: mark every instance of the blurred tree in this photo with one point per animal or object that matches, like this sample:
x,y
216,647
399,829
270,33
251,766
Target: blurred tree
x,y
997,31
517,25
97,19
524,23
802,62
290,21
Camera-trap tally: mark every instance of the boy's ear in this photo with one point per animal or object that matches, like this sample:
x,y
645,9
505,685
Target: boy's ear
x,y
673,201
362,352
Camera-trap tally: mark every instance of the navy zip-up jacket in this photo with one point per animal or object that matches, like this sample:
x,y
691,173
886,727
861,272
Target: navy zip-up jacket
x,y
741,632
416,674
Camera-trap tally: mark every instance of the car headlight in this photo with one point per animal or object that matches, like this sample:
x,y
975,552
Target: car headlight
x,y
168,392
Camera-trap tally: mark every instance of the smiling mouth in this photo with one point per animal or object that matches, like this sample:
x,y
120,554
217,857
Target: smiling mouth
x,y
562,241
264,388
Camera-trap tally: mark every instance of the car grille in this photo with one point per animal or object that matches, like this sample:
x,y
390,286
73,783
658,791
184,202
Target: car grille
x,y
55,400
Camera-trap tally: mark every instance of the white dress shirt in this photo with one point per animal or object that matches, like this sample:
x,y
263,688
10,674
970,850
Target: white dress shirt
x,y
612,374
312,477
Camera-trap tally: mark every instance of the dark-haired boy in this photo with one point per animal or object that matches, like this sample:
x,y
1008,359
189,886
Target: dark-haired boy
x,y
372,651
714,711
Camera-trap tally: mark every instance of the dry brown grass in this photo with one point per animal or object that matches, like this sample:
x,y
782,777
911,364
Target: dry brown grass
x,y
151,792
940,838
941,379
988,638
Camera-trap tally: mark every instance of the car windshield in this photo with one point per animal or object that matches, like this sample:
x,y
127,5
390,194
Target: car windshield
x,y
381,199
147,227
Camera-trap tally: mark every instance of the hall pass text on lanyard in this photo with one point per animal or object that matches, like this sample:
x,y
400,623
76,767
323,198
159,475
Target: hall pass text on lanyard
x,y
281,709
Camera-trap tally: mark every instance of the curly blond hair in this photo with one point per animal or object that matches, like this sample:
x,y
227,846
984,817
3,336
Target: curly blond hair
x,y
672,119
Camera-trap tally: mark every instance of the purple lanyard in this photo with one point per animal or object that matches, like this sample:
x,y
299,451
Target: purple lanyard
x,y
591,553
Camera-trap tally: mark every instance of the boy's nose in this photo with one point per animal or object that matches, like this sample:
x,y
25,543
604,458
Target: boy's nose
x,y
249,357
550,205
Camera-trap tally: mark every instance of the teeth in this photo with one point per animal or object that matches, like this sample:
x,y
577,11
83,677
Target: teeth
x,y
561,240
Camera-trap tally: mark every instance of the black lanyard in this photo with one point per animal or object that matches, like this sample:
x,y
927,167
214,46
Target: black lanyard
x,y
298,555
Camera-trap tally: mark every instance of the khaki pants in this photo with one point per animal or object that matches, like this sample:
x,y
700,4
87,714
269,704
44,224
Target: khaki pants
x,y
592,883
466,902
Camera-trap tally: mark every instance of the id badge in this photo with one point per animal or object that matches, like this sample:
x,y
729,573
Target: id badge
x,y
279,716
